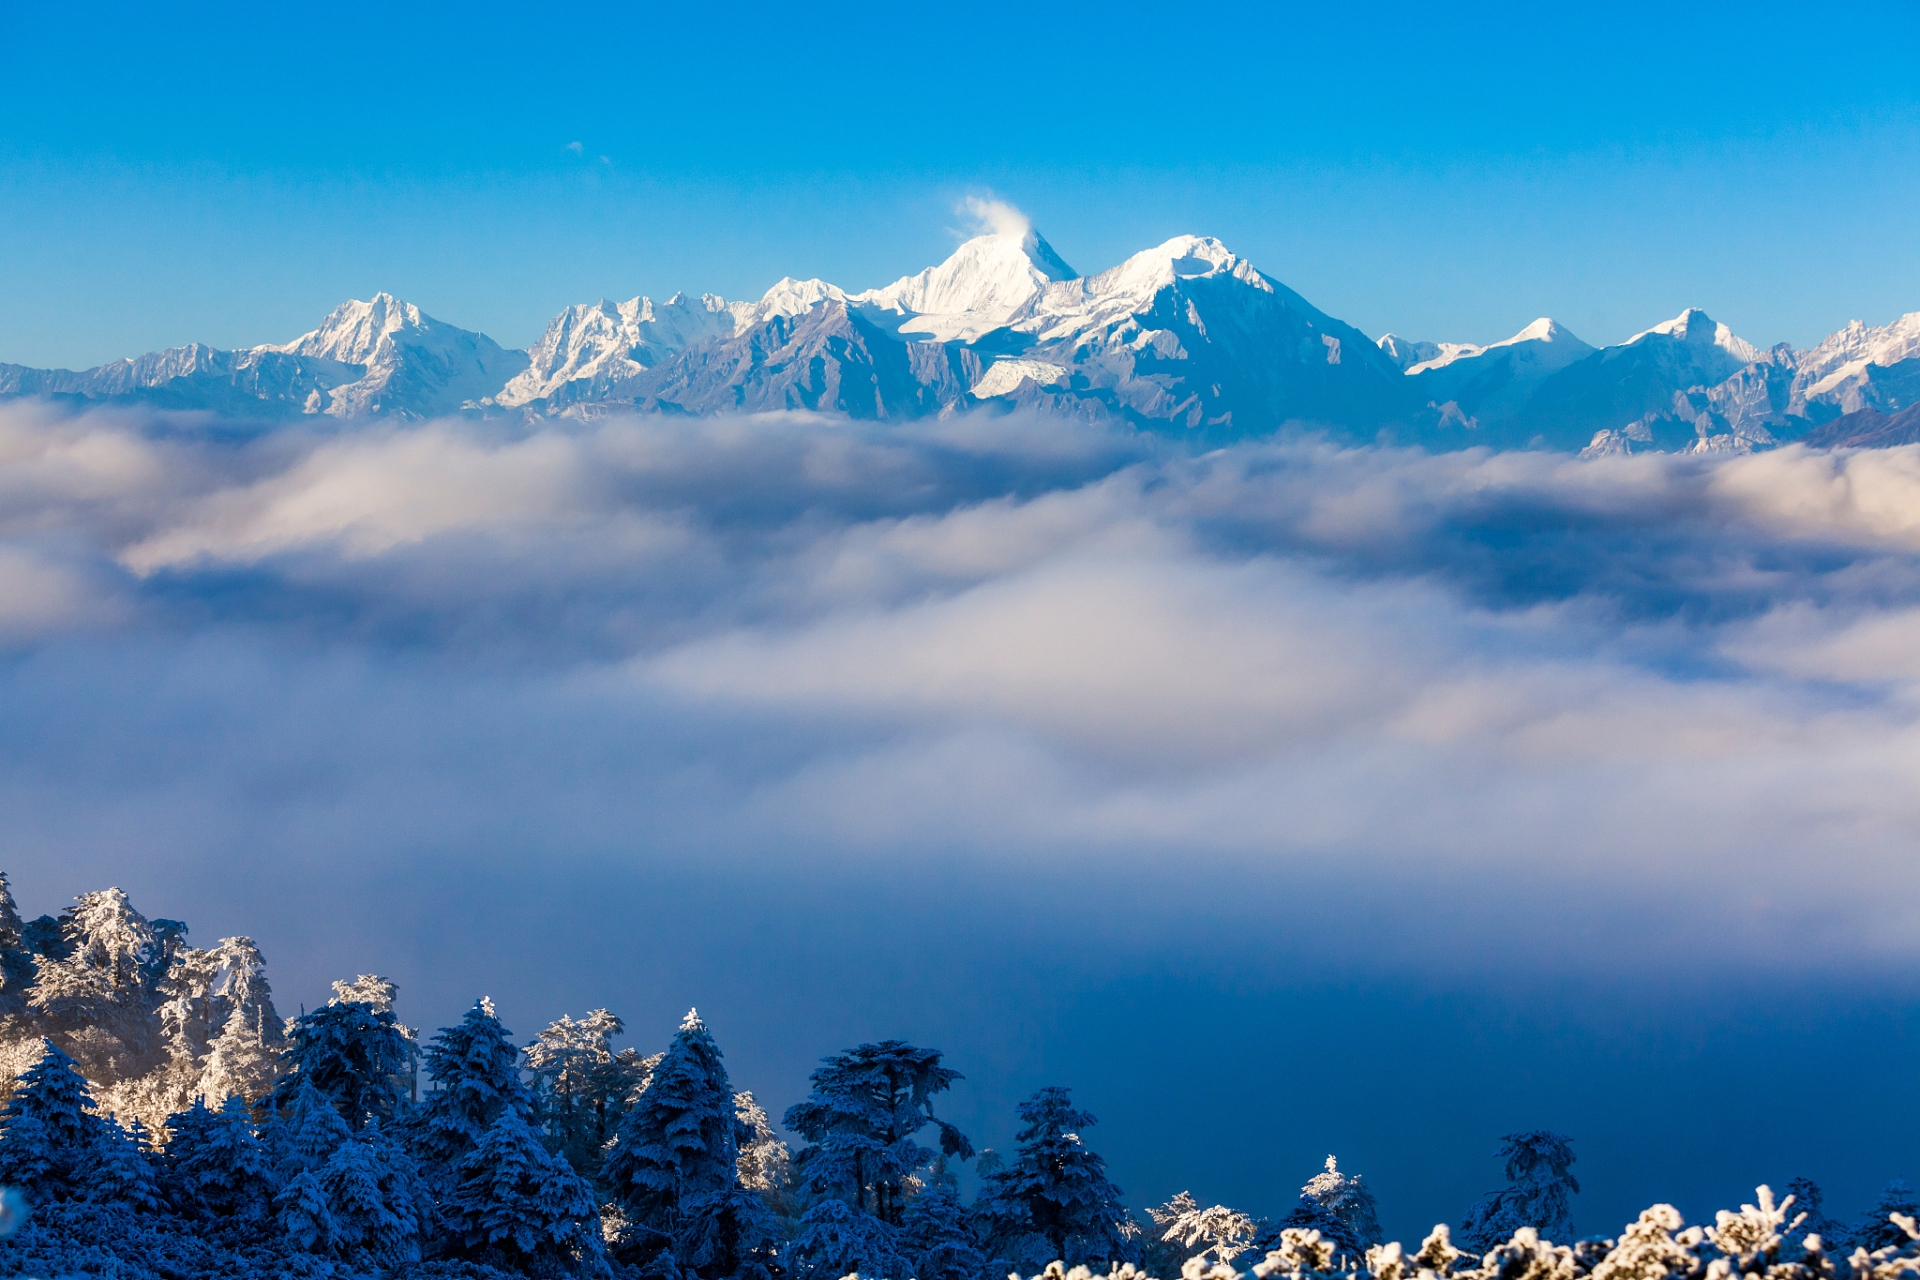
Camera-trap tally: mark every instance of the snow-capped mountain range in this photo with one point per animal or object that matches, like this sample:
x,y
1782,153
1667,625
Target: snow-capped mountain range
x,y
1182,338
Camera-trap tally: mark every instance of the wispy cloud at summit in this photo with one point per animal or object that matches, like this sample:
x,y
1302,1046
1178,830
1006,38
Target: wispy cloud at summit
x,y
992,216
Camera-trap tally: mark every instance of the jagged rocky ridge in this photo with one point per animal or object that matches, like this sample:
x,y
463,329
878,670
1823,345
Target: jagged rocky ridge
x,y
1185,338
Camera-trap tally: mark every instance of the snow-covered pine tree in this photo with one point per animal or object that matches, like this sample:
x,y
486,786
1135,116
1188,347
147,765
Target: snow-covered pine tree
x,y
17,964
583,1087
860,1120
315,1130
510,1195
1810,1200
94,993
728,1232
357,1056
300,1211
48,1132
835,1240
244,1034
937,1236
216,1165
678,1142
475,1068
1878,1230
765,1163
1347,1197
374,1197
1308,1214
1213,1234
1539,1195
1055,1191
118,1171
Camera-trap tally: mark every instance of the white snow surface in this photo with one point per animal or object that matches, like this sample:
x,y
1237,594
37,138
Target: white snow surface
x,y
413,365
604,341
1696,327
1548,347
1004,375
984,284
1845,355
1405,352
788,297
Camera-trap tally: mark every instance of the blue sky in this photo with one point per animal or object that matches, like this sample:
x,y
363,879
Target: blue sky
x,y
1442,174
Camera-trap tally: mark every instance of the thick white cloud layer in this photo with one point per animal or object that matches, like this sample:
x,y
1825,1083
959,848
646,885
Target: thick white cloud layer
x,y
1453,696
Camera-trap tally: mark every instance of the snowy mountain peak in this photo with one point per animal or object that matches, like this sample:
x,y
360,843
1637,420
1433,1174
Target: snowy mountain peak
x,y
1544,344
1845,354
1696,328
995,274
352,333
1181,258
1405,352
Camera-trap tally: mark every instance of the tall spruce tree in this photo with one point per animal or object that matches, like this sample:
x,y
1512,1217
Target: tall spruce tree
x,y
358,1057
49,1135
314,1131
583,1086
1347,1197
679,1141
1056,1191
511,1196
475,1068
860,1120
1878,1230
378,1207
1539,1193
216,1165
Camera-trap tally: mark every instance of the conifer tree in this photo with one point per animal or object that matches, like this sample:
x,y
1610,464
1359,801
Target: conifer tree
x,y
1878,1230
17,965
1215,1233
216,1164
475,1068
358,1057
837,1240
511,1195
725,1232
1309,1214
936,1236
118,1171
315,1131
374,1198
1347,1197
583,1087
679,1140
1810,1200
1056,1190
860,1120
1539,1195
300,1211
48,1132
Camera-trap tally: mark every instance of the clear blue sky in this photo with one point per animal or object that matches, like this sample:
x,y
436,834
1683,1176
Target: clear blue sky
x,y
1440,171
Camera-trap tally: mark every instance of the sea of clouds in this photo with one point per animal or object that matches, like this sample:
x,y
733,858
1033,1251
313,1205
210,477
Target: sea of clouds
x,y
1468,701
